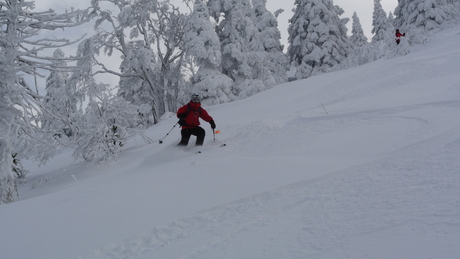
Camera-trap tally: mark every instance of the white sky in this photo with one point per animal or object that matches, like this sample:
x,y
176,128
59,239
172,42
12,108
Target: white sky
x,y
363,8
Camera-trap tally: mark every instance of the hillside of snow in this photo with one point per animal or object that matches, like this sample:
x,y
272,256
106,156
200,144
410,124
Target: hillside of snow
x,y
360,163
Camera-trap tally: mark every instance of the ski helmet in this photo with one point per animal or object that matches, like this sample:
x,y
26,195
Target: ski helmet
x,y
195,98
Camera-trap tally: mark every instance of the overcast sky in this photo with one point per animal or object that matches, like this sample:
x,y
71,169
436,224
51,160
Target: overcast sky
x,y
363,8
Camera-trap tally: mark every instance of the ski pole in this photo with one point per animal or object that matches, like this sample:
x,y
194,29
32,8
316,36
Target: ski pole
x,y
161,140
214,133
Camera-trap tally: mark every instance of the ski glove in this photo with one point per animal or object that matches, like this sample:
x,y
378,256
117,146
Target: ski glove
x,y
213,125
181,115
182,122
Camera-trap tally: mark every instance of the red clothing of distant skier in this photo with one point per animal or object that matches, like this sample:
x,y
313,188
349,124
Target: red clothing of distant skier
x,y
195,112
399,35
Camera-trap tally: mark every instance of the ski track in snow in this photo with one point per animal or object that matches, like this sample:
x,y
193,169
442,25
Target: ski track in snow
x,y
320,214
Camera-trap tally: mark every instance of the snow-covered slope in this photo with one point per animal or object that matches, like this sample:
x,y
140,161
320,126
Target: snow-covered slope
x,y
360,163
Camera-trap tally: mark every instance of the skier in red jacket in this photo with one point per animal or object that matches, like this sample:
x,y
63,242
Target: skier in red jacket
x,y
398,36
189,119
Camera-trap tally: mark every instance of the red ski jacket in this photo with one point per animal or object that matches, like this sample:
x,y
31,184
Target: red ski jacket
x,y
399,35
192,112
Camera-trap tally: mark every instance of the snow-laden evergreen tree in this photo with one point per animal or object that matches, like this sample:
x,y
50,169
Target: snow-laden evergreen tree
x,y
203,45
384,39
233,18
267,24
243,55
59,103
391,19
152,51
416,17
318,38
357,39
362,51
21,59
382,30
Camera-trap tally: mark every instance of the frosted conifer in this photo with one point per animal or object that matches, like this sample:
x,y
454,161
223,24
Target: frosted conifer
x,y
318,38
267,24
357,39
425,14
202,43
381,28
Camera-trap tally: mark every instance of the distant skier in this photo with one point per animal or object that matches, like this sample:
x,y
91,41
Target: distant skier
x,y
189,119
398,36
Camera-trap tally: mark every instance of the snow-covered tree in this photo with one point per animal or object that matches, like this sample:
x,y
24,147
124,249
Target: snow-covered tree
x,y
362,51
21,56
104,128
424,14
243,55
104,122
152,52
357,39
203,45
60,102
233,17
317,37
381,28
391,19
141,88
384,39
270,36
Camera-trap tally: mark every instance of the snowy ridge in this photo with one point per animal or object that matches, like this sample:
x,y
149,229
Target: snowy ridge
x,y
360,163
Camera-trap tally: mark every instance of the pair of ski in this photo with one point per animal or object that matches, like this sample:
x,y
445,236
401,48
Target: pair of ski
x,y
221,145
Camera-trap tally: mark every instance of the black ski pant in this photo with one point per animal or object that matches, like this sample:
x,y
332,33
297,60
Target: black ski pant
x,y
188,132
